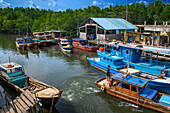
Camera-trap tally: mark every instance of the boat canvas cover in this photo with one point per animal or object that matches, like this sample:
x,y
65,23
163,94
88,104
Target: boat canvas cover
x,y
19,39
27,37
148,93
130,80
165,100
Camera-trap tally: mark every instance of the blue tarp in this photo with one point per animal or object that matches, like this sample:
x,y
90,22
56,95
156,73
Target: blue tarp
x,y
19,39
148,93
131,80
165,100
27,37
79,39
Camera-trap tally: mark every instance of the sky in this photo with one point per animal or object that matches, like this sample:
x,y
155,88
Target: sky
x,y
62,5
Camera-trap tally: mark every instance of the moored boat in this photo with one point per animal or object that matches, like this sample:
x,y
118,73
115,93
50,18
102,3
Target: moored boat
x,y
13,75
50,39
134,90
65,45
30,43
82,44
41,41
35,34
20,43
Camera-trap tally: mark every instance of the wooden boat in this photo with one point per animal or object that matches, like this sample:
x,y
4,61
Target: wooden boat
x,y
50,39
30,43
13,75
40,40
35,34
65,46
82,44
134,90
20,43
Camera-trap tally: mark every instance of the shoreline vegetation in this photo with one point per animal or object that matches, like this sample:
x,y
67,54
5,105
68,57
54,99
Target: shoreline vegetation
x,y
24,21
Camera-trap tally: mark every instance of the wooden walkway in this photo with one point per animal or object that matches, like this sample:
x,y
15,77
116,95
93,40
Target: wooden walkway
x,y
26,102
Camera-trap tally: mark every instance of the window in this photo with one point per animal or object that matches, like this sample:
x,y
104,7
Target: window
x,y
133,88
107,59
110,60
104,58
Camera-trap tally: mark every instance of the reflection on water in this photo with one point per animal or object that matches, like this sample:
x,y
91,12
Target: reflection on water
x,y
72,74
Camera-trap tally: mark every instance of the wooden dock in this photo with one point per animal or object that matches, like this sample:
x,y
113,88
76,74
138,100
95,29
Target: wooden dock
x,y
26,102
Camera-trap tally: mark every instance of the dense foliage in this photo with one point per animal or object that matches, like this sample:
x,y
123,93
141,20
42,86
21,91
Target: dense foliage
x,y
20,20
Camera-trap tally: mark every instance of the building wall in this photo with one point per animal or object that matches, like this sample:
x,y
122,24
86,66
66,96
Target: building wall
x,y
113,37
100,37
82,35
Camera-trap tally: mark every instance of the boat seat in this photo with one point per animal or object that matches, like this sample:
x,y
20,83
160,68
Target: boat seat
x,y
148,93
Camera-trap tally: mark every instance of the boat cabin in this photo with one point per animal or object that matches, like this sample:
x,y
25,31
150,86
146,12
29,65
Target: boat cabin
x,y
58,34
133,86
35,34
48,36
13,72
28,39
64,42
80,41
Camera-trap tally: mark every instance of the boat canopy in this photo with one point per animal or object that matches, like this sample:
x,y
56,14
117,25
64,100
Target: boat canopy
x,y
139,47
47,35
130,79
55,31
27,37
19,39
148,93
79,39
165,100
10,65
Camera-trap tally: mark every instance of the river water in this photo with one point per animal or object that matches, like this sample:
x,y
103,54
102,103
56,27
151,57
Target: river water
x,y
70,73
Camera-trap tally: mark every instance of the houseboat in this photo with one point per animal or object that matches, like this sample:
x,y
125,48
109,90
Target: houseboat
x,y
20,43
65,46
30,43
50,39
83,44
13,75
134,90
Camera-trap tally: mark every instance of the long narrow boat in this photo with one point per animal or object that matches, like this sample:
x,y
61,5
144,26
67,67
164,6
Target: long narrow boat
x,y
65,46
30,43
40,40
50,39
20,43
82,44
134,90
13,75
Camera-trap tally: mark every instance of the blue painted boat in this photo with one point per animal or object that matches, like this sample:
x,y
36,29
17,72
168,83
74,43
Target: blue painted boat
x,y
50,39
12,74
20,43
65,45
132,57
30,42
40,40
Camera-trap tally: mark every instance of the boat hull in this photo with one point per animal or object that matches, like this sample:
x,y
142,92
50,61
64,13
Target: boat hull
x,y
67,50
102,66
86,48
32,45
21,46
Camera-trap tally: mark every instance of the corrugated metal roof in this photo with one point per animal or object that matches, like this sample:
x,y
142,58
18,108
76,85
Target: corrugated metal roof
x,y
113,23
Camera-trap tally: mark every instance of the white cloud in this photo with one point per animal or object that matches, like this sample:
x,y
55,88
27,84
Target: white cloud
x,y
32,5
60,10
4,4
101,4
145,2
53,2
96,3
49,4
